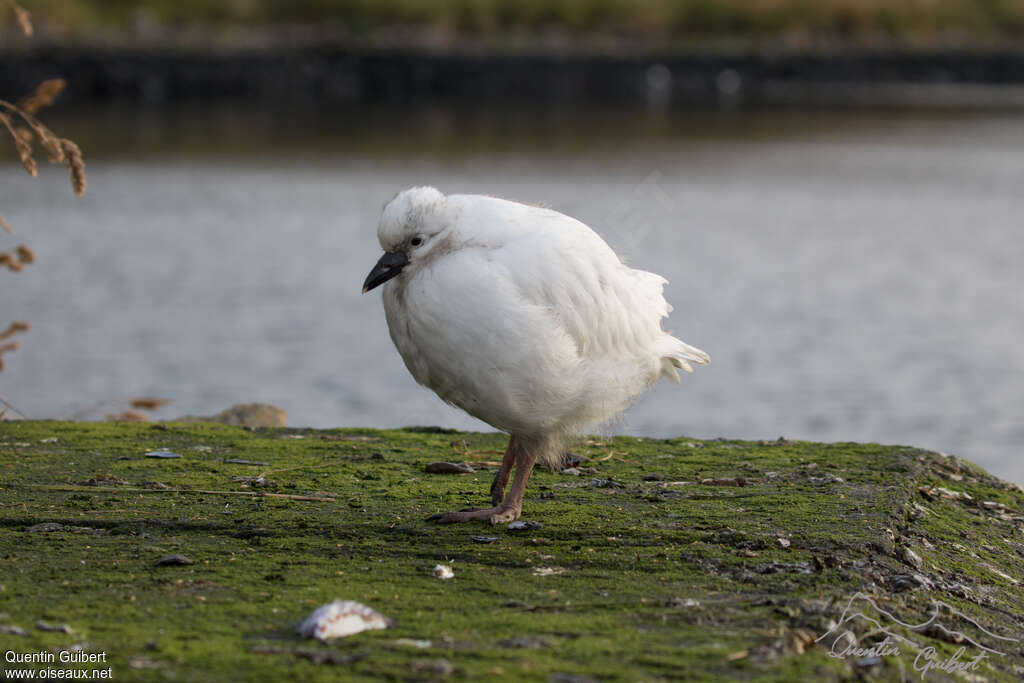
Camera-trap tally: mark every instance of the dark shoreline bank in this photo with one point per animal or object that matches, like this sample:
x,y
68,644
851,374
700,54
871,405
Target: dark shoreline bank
x,y
962,78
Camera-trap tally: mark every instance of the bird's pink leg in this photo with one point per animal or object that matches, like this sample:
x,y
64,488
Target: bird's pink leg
x,y
501,478
510,508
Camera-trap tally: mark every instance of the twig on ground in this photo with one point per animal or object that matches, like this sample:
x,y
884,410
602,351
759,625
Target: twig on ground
x,y
203,492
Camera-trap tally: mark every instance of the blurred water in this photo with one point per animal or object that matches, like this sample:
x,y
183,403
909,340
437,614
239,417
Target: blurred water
x,y
854,277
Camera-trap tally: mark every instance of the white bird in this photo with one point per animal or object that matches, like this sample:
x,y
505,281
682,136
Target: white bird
x,y
524,318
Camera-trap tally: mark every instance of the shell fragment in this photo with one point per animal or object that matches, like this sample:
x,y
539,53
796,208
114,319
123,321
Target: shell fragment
x,y
341,618
443,571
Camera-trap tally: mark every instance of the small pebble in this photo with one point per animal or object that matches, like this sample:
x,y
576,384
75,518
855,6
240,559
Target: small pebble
x,y
173,561
866,662
104,480
45,528
162,454
570,678
436,668
449,468
570,459
784,542
484,539
682,602
59,628
605,484
912,558
572,471
237,461
12,630
526,642
516,604
524,526
719,481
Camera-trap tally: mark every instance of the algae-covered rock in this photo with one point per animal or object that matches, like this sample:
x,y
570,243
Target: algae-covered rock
x,y
828,561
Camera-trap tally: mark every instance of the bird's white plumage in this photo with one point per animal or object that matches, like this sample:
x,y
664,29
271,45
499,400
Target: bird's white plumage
x,y
521,316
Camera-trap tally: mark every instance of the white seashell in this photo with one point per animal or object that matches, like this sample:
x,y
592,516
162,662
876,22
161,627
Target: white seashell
x,y
443,571
341,618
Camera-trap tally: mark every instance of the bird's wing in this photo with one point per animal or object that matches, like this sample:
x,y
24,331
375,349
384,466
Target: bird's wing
x,y
559,265
603,305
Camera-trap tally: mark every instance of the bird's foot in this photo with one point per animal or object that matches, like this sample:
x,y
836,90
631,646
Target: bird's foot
x,y
499,514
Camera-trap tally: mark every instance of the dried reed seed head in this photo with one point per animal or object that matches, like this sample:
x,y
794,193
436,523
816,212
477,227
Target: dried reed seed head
x,y
9,346
76,164
43,96
25,255
24,147
29,164
51,144
6,226
23,18
7,259
149,402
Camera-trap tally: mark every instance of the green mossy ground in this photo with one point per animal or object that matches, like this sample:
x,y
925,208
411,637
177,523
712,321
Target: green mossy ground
x,y
660,580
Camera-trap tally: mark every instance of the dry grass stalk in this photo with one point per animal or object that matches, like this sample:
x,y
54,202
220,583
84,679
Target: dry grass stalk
x,y
23,146
14,328
58,151
43,96
22,16
149,402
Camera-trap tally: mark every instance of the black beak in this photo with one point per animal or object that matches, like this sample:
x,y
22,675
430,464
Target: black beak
x,y
389,265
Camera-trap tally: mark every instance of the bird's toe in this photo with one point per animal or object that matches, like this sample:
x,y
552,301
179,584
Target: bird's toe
x,y
463,515
505,515
445,517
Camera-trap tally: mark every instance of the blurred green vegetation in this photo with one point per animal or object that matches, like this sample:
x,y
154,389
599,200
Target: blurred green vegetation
x,y
926,22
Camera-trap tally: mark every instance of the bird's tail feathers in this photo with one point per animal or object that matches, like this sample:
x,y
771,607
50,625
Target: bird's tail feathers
x,y
680,355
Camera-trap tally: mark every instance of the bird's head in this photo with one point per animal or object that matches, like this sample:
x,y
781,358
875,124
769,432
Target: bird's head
x,y
408,231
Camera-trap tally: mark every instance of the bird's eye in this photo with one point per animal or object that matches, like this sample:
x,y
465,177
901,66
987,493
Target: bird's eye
x,y
416,241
